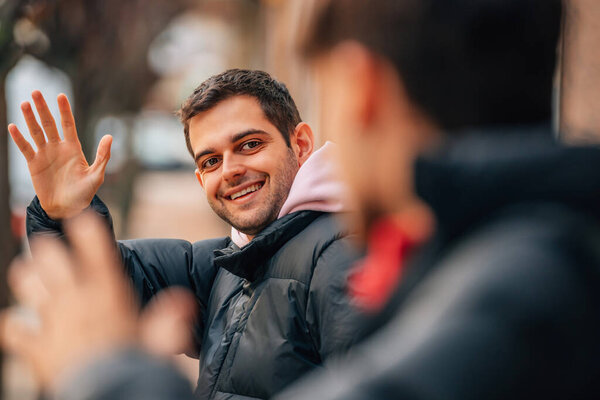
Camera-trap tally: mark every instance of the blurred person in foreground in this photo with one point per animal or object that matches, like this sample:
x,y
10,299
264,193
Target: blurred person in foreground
x,y
486,230
272,300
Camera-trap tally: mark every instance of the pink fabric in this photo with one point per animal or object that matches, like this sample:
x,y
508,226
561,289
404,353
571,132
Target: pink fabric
x,y
316,187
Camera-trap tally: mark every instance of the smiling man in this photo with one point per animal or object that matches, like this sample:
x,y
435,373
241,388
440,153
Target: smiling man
x,y
245,164
271,298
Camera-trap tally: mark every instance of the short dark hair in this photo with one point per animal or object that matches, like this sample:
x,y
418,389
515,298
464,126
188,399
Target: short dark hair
x,y
273,97
464,63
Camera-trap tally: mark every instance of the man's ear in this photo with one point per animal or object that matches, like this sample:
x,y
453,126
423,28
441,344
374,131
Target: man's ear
x,y
199,177
302,142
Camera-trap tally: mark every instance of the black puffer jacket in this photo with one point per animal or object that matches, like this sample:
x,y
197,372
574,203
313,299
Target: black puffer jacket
x,y
270,312
504,302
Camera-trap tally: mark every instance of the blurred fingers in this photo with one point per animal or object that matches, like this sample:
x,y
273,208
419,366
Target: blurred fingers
x,y
166,325
66,118
20,335
21,143
34,128
94,248
26,285
53,264
46,117
19,332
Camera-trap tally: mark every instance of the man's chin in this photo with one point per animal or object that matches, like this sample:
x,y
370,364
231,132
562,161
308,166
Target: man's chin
x,y
251,224
250,230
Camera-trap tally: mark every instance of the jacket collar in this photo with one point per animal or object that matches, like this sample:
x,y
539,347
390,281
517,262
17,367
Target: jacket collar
x,y
249,262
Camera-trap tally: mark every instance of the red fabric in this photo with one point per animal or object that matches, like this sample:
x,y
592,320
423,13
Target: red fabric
x,y
375,277
17,224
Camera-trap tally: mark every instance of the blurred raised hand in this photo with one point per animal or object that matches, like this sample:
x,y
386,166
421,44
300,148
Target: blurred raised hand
x,y
79,301
62,178
75,305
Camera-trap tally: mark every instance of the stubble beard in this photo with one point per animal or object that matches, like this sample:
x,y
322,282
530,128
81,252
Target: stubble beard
x,y
268,211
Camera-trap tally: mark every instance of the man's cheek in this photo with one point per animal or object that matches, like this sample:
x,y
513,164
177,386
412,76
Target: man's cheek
x,y
211,190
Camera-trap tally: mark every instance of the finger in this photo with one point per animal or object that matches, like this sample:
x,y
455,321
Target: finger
x,y
102,154
34,129
66,118
53,265
19,337
18,334
21,143
102,157
46,117
26,284
95,251
167,322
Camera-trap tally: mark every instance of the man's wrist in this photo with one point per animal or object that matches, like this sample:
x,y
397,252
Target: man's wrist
x,y
60,214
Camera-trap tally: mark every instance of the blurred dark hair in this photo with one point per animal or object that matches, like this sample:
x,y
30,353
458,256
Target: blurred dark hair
x,y
273,96
465,63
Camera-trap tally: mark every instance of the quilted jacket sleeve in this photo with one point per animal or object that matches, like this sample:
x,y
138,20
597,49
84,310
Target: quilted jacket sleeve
x,y
335,322
39,223
154,264
151,264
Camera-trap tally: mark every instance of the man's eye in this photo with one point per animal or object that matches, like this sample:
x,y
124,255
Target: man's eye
x,y
210,162
250,144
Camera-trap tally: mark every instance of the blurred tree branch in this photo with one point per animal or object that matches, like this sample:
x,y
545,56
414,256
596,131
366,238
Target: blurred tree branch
x,y
102,45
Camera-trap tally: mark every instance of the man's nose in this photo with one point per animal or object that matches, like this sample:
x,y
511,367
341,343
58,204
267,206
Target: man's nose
x,y
233,169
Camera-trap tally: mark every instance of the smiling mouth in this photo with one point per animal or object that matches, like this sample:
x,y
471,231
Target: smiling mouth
x,y
246,191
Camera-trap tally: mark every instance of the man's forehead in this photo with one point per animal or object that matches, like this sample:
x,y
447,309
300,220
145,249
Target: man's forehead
x,y
232,111
220,125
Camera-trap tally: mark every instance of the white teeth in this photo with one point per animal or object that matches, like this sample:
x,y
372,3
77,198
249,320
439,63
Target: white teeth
x,y
249,189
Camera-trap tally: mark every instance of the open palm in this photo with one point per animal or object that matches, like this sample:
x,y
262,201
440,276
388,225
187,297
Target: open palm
x,y
63,181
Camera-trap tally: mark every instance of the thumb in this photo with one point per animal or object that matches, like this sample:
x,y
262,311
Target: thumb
x,y
102,155
17,327
167,322
18,335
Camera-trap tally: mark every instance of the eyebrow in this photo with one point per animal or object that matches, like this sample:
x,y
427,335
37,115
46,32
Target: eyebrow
x,y
237,137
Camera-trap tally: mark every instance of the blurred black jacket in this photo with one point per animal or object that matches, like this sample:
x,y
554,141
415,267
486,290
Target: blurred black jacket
x,y
504,301
269,312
